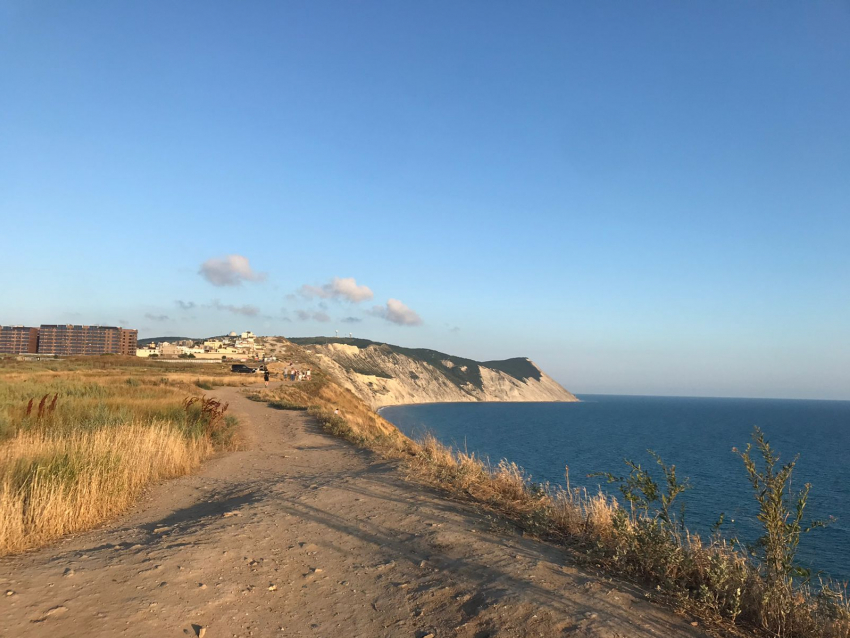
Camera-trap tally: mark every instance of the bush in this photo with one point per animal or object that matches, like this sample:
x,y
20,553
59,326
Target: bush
x,y
781,517
285,405
205,418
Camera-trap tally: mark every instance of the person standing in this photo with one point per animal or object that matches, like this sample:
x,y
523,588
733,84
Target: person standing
x,y
266,377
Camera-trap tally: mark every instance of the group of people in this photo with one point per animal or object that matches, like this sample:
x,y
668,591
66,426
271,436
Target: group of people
x,y
290,373
294,374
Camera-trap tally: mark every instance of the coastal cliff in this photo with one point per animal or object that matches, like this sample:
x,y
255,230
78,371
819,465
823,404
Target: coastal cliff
x,y
382,374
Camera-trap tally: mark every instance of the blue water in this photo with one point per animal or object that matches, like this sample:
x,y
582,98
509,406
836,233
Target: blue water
x,y
696,434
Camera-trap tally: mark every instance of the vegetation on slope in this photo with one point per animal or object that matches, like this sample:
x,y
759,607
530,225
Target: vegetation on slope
x,y
81,438
519,368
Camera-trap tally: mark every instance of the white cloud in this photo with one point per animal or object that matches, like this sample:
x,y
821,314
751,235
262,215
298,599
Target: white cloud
x,y
231,270
339,288
397,312
156,317
303,315
246,310
185,305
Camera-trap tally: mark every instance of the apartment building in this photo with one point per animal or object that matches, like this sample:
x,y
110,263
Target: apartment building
x,y
85,340
18,340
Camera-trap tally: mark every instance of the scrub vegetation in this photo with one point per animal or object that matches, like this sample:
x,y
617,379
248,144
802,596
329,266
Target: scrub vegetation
x,y
81,438
717,579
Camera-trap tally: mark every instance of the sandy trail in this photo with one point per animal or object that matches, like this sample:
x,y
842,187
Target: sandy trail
x,y
302,534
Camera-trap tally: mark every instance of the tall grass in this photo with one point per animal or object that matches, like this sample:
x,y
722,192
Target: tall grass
x,y
79,440
52,484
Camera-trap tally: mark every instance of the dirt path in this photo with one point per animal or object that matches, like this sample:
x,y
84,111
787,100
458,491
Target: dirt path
x,y
304,535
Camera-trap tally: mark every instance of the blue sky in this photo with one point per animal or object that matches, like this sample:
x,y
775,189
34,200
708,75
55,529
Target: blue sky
x,y
648,198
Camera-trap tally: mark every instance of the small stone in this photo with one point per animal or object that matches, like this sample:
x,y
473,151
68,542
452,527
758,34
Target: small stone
x,y
694,624
202,631
201,586
272,587
9,592
68,572
61,609
316,570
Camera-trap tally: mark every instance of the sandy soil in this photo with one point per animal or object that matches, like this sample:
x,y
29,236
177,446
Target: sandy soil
x,y
303,535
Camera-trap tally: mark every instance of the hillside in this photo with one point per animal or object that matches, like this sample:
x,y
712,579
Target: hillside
x,y
383,374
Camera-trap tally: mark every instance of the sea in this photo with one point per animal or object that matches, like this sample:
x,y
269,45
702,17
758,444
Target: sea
x,y
698,435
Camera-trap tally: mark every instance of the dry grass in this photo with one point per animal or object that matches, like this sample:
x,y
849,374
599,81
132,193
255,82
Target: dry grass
x,y
56,484
81,438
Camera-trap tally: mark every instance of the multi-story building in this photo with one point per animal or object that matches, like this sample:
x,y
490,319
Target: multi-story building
x,y
75,340
170,349
18,340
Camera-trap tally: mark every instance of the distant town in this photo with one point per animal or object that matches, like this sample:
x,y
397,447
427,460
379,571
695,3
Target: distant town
x,y
76,340
239,346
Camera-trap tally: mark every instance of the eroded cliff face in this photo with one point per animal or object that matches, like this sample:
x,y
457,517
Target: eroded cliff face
x,y
382,376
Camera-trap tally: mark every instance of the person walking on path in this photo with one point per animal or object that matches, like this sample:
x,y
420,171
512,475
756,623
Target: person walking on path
x,y
266,377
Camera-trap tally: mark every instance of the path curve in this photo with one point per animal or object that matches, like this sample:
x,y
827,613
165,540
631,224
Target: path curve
x,y
302,534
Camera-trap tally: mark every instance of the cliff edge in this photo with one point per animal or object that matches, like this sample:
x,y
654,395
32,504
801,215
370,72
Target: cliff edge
x,y
382,374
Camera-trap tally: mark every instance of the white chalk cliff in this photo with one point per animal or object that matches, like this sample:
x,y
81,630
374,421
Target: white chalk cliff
x,y
384,375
